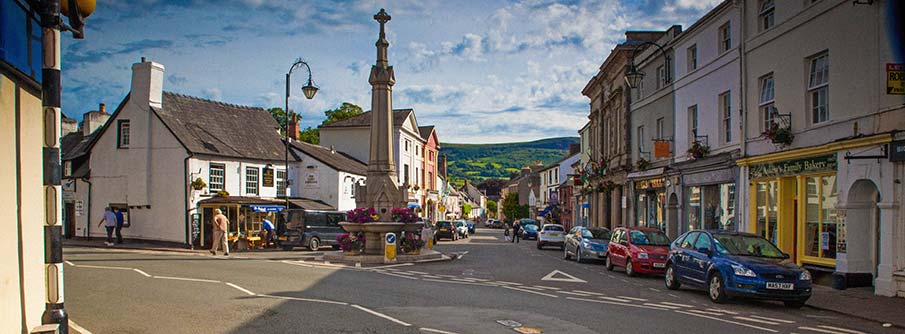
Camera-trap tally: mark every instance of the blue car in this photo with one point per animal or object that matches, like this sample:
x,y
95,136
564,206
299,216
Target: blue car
x,y
528,232
733,264
470,225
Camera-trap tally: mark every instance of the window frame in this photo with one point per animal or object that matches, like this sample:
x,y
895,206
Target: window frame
x,y
123,138
725,104
692,60
820,89
210,176
693,123
766,15
256,182
640,139
661,123
280,182
766,108
725,36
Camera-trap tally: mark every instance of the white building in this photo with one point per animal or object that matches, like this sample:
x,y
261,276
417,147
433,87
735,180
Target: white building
x,y
160,147
550,179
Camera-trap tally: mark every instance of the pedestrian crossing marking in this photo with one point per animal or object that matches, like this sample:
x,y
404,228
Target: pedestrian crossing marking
x,y
568,278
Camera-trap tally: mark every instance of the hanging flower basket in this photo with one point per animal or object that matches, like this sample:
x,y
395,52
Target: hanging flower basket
x,y
698,150
222,193
780,135
643,164
198,184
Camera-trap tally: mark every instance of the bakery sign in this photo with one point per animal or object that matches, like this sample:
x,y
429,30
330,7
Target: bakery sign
x,y
819,164
650,184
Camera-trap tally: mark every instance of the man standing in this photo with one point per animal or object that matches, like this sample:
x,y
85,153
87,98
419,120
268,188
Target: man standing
x,y
119,225
109,222
220,224
516,227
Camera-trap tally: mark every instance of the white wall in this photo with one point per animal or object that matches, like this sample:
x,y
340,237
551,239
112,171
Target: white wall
x,y
352,141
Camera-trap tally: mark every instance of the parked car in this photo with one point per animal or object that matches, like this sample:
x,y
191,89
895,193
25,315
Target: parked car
x,y
494,223
445,229
311,228
527,232
461,228
471,225
551,235
734,264
586,243
640,250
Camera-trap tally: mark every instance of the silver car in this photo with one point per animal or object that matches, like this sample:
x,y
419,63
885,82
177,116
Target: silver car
x,y
586,243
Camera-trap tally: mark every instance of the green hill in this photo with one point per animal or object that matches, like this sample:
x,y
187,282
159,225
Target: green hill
x,y
479,162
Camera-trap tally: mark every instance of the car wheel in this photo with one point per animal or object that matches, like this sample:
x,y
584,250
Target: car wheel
x,y
672,282
629,268
796,304
565,254
609,263
314,244
716,291
578,257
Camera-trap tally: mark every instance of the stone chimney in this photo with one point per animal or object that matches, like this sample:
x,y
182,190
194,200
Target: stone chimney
x,y
574,149
68,125
147,83
94,120
293,127
441,165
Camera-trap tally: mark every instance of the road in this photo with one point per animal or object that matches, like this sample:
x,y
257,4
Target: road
x,y
494,287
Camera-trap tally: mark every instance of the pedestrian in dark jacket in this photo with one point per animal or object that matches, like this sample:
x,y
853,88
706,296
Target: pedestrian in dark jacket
x,y
120,221
516,227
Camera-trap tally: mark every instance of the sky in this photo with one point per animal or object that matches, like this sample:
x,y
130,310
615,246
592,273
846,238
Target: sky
x,y
484,71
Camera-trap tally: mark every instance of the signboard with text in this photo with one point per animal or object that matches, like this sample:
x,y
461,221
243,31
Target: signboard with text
x,y
895,79
819,164
267,177
661,149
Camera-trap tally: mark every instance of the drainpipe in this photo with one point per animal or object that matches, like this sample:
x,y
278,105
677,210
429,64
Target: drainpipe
x,y
185,202
743,80
88,221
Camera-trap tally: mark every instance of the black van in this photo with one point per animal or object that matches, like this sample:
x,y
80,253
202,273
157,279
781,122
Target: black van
x,y
312,229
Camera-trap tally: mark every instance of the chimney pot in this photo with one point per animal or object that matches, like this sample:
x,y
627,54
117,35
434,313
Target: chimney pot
x,y
143,59
102,108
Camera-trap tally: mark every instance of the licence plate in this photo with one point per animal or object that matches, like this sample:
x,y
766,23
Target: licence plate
x,y
780,286
283,238
659,265
554,234
443,230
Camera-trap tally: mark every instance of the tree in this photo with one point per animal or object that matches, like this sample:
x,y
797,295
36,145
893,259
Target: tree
x,y
512,210
280,116
345,111
466,209
310,135
492,186
491,209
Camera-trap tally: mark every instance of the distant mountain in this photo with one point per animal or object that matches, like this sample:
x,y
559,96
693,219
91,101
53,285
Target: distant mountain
x,y
479,162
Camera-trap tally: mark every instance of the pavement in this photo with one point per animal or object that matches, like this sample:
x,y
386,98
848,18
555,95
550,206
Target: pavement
x,y
493,287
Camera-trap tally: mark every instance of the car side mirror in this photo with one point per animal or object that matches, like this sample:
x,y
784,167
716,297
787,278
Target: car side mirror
x,y
705,251
785,256
623,242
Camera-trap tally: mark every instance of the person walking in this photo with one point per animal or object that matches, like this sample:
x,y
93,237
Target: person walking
x,y
516,227
220,224
119,225
109,222
269,232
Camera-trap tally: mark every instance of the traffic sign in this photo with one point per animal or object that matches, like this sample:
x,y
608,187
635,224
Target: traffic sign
x,y
389,252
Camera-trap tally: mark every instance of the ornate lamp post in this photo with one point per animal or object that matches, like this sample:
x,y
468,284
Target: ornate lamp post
x,y
633,75
309,90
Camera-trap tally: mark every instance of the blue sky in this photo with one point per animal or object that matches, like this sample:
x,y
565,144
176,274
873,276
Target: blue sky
x,y
481,71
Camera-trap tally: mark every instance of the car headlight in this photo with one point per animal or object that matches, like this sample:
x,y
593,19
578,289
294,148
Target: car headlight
x,y
586,244
805,275
741,270
642,256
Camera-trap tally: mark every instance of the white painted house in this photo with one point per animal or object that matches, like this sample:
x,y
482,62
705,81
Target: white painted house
x,y
157,144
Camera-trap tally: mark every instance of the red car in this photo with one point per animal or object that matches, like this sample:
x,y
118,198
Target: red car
x,y
640,250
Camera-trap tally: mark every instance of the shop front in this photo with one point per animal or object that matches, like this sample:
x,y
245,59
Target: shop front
x,y
650,206
709,194
246,218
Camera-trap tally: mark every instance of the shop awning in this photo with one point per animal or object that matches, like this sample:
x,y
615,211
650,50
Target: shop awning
x,y
647,173
265,208
413,205
546,211
309,204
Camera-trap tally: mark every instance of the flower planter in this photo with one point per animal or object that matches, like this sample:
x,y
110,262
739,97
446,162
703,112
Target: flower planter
x,y
375,233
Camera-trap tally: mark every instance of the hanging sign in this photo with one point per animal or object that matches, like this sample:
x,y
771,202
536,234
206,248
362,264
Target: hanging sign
x,y
267,177
823,163
661,149
895,79
652,183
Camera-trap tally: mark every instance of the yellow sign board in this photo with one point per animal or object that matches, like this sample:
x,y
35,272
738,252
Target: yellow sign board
x,y
895,79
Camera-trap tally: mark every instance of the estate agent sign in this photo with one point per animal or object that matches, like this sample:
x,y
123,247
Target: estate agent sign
x,y
823,163
895,79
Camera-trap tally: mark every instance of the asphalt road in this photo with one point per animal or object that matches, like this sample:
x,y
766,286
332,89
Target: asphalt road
x,y
493,287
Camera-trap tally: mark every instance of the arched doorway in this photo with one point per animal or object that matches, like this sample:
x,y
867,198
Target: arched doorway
x,y
862,234
672,216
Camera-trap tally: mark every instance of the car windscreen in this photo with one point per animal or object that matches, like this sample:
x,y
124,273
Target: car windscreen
x,y
528,222
746,245
335,218
596,233
460,224
530,227
553,228
444,224
649,238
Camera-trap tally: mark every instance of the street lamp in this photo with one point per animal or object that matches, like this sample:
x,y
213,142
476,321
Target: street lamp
x,y
309,90
633,75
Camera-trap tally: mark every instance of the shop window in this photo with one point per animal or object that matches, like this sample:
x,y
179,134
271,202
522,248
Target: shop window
x,y
711,207
820,217
767,209
217,177
651,210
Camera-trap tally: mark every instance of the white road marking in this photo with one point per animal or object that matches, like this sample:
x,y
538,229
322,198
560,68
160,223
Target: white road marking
x,y
70,263
454,282
418,272
772,319
677,304
615,303
615,299
446,276
568,278
664,306
840,329
103,267
820,330
461,255
672,295
654,290
431,330
623,280
633,298
306,300
402,276
241,289
390,265
76,326
529,291
381,315
718,314
432,276
726,321
722,311
761,321
508,283
534,288
589,292
188,279
547,287
611,276
141,272
573,293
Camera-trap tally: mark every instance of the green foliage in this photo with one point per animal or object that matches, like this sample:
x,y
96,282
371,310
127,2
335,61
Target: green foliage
x,y
491,208
310,135
466,209
280,116
512,210
480,162
345,111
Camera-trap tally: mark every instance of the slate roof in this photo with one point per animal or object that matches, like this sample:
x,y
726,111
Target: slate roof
x,y
473,192
426,131
338,160
221,129
364,120
74,145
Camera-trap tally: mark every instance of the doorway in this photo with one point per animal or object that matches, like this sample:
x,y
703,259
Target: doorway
x,y
672,213
69,220
861,235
